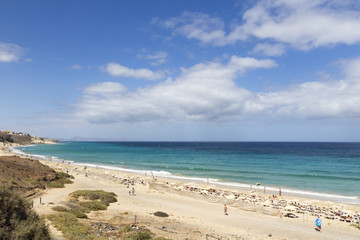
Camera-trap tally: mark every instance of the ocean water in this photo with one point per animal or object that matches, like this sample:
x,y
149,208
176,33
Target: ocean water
x,y
321,170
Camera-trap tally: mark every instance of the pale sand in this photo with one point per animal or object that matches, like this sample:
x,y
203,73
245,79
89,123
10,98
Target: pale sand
x,y
191,216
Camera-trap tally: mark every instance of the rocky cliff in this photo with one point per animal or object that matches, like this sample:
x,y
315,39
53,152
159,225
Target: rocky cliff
x,y
23,139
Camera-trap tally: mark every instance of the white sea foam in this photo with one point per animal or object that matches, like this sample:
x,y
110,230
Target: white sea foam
x,y
293,192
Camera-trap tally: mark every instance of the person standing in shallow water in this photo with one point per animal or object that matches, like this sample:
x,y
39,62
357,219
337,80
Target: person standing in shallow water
x,y
225,209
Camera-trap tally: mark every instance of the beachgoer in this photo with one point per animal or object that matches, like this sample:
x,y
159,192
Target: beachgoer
x,y
318,223
279,191
258,184
129,193
225,209
133,191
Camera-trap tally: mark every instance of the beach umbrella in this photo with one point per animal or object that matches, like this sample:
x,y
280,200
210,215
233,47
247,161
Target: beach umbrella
x,y
318,222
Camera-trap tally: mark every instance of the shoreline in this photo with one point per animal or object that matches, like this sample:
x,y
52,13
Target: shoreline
x,y
194,211
294,193
162,192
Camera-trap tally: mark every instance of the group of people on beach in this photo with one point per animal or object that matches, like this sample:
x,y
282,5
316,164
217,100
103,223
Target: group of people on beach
x,y
274,201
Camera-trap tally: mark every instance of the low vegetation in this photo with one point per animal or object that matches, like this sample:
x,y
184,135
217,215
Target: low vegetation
x,y
83,202
18,220
104,197
71,228
60,180
161,214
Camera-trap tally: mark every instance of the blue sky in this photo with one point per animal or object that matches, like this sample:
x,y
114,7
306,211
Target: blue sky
x,y
270,70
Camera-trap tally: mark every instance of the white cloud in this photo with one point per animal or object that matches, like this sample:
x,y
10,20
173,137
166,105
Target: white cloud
x,y
10,52
207,92
302,24
351,68
105,88
76,67
267,49
197,26
156,58
118,70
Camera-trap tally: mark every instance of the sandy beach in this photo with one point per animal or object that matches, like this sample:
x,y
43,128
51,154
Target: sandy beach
x,y
193,215
196,211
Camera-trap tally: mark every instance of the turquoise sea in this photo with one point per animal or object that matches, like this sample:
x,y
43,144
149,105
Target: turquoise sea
x,y
320,170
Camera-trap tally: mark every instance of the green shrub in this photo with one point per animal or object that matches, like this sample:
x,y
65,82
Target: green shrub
x,y
60,180
59,209
126,229
33,182
59,183
107,199
140,236
18,220
68,224
94,195
55,185
73,200
61,175
78,213
93,205
161,214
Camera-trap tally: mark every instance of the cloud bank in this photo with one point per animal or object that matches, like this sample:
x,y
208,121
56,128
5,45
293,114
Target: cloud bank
x,y
206,91
303,25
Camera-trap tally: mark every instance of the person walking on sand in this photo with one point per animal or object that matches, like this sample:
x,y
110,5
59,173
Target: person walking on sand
x,y
318,224
133,191
225,209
